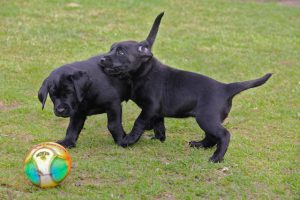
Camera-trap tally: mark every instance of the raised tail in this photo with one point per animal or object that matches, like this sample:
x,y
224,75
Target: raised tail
x,y
237,87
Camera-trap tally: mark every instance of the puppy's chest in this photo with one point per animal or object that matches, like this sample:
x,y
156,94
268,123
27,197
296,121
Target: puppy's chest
x,y
93,105
140,93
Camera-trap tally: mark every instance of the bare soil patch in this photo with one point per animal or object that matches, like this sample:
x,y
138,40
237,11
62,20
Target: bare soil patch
x,y
294,3
7,107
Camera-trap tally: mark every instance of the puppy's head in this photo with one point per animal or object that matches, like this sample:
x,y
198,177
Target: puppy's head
x,y
67,88
126,57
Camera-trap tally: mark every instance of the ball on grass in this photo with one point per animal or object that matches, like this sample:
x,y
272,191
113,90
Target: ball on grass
x,y
47,164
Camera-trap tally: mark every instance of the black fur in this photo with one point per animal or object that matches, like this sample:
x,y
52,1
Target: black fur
x,y
80,89
162,91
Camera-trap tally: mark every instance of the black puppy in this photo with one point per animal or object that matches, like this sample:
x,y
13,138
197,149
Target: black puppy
x,y
162,91
80,89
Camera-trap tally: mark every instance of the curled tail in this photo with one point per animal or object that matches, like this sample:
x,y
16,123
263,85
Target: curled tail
x,y
237,87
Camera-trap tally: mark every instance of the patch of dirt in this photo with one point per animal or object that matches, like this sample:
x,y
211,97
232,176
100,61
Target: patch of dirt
x,y
25,137
12,191
167,196
8,107
87,180
96,13
164,160
286,63
293,3
10,195
73,5
223,171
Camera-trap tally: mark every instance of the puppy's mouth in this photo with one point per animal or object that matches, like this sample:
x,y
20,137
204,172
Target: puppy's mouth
x,y
112,69
64,115
115,71
67,112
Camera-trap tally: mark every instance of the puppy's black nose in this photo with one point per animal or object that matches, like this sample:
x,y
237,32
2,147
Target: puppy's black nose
x,y
102,60
60,110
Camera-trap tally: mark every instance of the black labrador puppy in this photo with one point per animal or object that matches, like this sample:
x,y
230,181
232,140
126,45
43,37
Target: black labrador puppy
x,y
162,91
80,89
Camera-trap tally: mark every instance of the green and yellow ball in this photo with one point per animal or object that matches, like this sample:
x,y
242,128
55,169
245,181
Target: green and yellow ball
x,y
47,164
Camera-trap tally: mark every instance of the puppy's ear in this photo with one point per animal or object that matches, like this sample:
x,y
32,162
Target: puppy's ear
x,y
43,93
144,51
82,82
153,32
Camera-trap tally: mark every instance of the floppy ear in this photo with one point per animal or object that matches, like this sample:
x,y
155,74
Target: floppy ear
x,y
82,82
43,93
153,32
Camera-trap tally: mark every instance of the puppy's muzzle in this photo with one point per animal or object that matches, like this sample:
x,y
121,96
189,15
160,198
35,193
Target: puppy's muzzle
x,y
62,111
102,60
105,61
111,69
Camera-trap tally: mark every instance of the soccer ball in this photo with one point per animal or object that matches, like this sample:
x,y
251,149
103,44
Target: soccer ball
x,y
47,164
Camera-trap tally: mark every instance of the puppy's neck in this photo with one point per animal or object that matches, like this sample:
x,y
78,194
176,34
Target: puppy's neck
x,y
144,69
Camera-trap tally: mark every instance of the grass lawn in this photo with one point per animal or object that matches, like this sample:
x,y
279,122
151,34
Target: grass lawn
x,y
227,40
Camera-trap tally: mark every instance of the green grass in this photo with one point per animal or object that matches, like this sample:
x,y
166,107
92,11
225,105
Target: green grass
x,y
227,40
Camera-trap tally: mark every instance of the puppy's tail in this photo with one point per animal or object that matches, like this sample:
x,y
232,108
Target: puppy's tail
x,y
237,87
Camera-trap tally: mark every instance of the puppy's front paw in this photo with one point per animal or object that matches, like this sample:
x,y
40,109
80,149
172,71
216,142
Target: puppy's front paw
x,y
161,138
66,143
126,141
196,144
123,142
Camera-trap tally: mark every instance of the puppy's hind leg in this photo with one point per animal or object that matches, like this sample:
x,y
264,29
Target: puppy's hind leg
x,y
215,133
208,141
159,129
222,144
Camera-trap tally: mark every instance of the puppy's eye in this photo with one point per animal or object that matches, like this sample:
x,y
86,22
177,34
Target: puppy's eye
x,y
120,52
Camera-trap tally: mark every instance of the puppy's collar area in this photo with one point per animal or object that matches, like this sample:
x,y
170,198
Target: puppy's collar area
x,y
143,70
